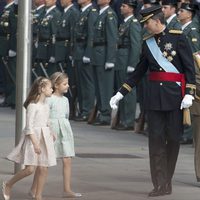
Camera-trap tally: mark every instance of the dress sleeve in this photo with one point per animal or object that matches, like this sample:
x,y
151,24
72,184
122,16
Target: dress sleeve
x,y
30,118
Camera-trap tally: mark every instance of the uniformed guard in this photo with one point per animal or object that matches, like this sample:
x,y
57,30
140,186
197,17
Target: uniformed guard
x,y
83,37
37,15
185,15
8,29
64,48
171,87
129,49
169,8
104,58
47,30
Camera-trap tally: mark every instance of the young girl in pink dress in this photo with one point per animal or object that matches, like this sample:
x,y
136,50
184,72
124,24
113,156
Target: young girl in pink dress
x,y
36,146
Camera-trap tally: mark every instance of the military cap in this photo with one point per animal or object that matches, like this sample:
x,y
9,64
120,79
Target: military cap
x,y
132,3
154,2
169,2
150,12
188,6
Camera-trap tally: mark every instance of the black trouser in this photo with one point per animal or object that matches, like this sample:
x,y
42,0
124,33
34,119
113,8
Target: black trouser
x,y
165,131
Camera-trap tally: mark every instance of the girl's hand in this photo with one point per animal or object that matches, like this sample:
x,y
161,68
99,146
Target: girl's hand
x,y
37,149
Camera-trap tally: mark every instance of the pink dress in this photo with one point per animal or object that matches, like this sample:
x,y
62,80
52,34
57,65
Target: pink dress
x,y
37,117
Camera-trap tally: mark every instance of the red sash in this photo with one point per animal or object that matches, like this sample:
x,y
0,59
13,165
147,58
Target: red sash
x,y
169,76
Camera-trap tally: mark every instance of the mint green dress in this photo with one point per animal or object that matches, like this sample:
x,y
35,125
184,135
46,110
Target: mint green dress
x,y
59,120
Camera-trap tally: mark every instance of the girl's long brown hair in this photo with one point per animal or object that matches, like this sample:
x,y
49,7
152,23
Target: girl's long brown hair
x,y
35,91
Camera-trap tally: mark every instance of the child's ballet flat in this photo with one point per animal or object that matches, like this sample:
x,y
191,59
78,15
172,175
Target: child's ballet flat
x,y
5,196
72,195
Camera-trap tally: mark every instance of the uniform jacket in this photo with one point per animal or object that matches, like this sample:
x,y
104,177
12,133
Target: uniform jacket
x,y
174,24
8,29
129,44
105,38
83,33
162,95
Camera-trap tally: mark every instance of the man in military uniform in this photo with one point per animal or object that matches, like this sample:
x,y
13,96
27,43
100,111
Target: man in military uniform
x,y
104,58
185,15
129,49
83,36
169,8
64,47
168,57
8,29
37,13
47,30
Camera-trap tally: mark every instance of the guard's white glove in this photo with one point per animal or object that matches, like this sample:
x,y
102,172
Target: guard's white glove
x,y
86,60
130,69
70,58
109,65
187,101
36,44
52,59
115,100
11,53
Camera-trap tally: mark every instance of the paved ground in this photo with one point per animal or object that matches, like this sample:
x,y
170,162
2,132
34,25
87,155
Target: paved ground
x,y
110,165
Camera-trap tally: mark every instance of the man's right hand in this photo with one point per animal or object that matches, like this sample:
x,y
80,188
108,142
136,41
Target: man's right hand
x,y
115,100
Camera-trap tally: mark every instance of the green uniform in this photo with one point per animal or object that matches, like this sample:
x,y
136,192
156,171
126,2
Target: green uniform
x,y
193,37
174,24
83,36
64,49
8,28
47,30
103,59
37,15
129,48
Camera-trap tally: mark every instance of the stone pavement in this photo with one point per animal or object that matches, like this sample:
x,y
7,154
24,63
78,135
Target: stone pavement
x,y
109,165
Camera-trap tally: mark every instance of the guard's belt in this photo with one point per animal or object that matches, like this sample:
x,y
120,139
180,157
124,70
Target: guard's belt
x,y
170,77
58,39
123,46
44,40
95,44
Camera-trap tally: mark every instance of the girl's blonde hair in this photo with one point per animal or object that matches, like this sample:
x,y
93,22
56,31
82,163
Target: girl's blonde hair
x,y
57,78
36,90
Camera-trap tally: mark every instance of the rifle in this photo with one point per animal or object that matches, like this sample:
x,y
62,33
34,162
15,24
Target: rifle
x,y
8,69
93,114
44,70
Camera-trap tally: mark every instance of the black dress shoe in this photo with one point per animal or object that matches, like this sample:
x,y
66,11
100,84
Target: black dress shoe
x,y
83,118
157,192
4,104
101,123
121,127
168,189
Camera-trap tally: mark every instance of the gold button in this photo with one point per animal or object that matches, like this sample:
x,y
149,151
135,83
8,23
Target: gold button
x,y
160,83
160,69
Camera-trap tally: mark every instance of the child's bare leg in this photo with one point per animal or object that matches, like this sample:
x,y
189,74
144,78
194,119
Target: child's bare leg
x,y
34,184
41,178
28,170
67,174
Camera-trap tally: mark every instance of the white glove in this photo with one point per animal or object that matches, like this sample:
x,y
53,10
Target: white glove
x,y
187,101
115,100
109,65
70,58
86,60
36,44
130,69
52,59
11,53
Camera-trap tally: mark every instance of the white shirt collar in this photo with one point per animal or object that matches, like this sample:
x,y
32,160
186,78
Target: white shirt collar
x,y
39,7
170,18
10,4
67,8
84,8
50,9
103,9
127,18
185,25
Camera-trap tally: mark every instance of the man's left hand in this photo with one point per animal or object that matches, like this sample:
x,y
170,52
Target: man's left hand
x,y
187,101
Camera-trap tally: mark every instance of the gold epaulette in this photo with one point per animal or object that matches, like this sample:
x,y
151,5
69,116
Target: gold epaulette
x,y
110,12
191,88
94,9
127,87
148,36
175,31
135,20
